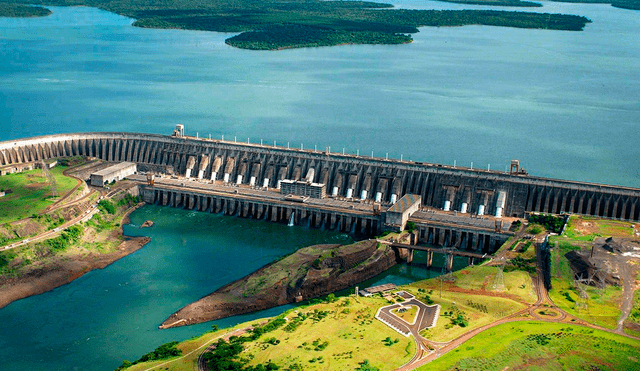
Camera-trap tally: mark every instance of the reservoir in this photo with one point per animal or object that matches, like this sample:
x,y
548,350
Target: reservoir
x,y
564,103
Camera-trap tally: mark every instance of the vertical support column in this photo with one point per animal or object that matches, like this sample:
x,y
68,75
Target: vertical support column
x,y
429,259
449,262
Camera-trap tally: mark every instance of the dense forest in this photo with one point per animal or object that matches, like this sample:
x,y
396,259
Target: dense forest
x,y
514,3
624,4
22,11
281,24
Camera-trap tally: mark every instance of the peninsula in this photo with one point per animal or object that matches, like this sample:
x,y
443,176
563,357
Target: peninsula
x,y
54,228
308,273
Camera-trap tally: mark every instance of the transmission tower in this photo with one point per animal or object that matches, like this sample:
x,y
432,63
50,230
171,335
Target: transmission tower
x,y
446,274
498,279
582,302
50,179
601,275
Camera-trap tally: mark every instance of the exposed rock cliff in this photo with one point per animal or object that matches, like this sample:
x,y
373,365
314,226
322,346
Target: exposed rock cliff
x,y
308,273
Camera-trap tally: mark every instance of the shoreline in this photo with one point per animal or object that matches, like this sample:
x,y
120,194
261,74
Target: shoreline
x,y
64,270
297,277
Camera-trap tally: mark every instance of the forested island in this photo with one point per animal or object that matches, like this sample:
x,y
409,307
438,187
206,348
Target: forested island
x,y
513,3
22,11
295,24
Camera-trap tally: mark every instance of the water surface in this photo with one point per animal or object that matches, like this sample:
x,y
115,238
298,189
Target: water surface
x,y
565,103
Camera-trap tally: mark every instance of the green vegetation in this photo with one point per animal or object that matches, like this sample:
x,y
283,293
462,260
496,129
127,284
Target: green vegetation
x,y
31,193
389,342
519,345
634,316
523,264
22,11
107,206
366,366
598,306
458,317
410,227
623,4
96,235
297,23
164,351
408,315
549,222
226,356
67,238
515,3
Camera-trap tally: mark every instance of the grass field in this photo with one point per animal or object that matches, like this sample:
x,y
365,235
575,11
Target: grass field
x,y
581,230
542,346
634,316
31,192
409,315
336,336
517,283
602,306
332,336
467,305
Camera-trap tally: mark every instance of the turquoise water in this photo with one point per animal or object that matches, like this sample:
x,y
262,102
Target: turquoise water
x,y
112,314
564,103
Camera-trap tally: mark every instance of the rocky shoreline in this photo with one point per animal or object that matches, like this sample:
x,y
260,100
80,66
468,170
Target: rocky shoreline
x,y
61,272
306,274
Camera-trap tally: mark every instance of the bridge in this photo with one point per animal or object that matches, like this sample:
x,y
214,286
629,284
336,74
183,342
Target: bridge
x,y
406,251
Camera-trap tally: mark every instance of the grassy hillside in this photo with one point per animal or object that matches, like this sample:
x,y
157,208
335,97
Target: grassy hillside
x,y
31,192
543,346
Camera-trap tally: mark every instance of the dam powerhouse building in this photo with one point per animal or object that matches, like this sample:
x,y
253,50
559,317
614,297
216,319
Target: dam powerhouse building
x,y
469,209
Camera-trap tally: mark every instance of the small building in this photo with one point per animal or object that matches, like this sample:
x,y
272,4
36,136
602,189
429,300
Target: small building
x,y
398,214
380,288
112,173
302,188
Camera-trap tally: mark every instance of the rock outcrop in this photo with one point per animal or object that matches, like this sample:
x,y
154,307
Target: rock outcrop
x,y
308,273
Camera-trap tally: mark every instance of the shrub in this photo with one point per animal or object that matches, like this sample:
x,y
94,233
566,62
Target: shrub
x,y
107,206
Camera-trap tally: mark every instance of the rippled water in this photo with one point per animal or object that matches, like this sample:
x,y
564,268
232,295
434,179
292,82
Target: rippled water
x,y
564,103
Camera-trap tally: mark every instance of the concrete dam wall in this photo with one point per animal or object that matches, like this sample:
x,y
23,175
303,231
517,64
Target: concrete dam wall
x,y
445,187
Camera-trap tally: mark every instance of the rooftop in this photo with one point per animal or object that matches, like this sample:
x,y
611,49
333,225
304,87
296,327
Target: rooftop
x,y
112,168
405,203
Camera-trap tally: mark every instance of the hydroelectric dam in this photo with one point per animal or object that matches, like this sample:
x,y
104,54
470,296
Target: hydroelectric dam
x,y
469,209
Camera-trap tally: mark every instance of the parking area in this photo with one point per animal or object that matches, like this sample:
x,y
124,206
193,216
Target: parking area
x,y
426,316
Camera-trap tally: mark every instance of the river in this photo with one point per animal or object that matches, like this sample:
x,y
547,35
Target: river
x,y
565,103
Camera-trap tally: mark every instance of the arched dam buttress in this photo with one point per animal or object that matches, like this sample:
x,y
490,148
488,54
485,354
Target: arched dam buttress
x,y
467,200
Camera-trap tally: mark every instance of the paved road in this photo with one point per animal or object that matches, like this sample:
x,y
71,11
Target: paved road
x,y
528,314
